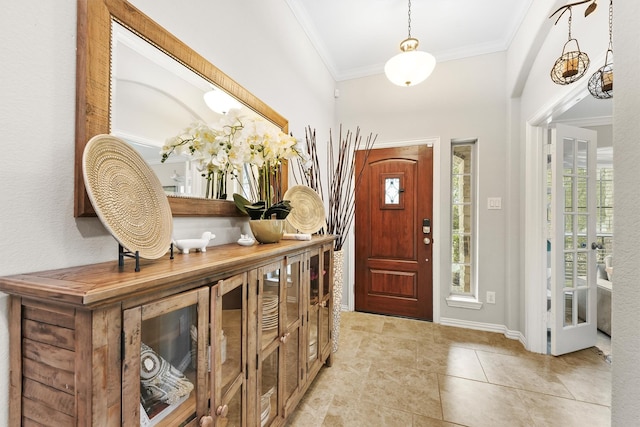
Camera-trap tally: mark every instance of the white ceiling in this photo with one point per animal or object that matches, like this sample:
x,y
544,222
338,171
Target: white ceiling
x,y
356,37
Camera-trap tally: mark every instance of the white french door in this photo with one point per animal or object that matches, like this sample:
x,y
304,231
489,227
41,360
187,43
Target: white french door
x,y
572,239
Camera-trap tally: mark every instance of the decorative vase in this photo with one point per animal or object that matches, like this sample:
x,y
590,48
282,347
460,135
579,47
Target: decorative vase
x,y
338,271
267,230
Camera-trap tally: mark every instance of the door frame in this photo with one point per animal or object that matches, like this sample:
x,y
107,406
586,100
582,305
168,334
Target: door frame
x,y
436,230
535,262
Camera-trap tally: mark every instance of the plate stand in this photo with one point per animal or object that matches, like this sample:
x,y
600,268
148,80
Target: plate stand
x,y
136,255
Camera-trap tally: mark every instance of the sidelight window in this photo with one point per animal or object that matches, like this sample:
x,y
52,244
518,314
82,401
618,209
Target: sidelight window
x,y
463,219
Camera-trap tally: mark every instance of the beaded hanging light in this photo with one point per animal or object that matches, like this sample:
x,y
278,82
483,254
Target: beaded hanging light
x,y
601,82
571,65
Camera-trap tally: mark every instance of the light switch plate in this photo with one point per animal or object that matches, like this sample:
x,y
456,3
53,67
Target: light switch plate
x,y
494,203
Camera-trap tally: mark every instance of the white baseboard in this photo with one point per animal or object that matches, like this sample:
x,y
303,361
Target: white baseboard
x,y
488,327
478,326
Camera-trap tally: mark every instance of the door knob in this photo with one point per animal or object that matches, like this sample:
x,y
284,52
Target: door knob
x,y
285,337
222,411
206,421
427,241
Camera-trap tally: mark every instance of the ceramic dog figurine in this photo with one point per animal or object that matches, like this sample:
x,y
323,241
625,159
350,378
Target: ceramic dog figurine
x,y
184,245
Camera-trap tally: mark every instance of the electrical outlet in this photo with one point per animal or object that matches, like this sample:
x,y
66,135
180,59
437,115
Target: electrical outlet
x,y
491,297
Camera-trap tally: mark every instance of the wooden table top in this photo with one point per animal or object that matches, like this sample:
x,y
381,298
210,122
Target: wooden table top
x,y
103,283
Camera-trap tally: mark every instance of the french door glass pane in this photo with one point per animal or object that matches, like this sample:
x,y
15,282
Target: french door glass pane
x,y
568,270
582,264
581,295
568,156
568,309
581,183
581,241
583,222
568,193
583,157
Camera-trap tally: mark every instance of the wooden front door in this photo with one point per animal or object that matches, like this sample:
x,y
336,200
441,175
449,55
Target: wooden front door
x,y
393,250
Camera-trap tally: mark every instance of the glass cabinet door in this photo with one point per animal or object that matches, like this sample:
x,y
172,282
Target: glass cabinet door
x,y
319,309
326,308
313,311
229,351
271,282
280,313
164,366
292,345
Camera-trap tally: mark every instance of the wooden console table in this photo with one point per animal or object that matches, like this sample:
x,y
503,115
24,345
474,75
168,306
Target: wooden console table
x,y
264,314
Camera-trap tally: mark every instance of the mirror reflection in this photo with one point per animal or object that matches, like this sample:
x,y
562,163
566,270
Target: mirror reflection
x,y
153,98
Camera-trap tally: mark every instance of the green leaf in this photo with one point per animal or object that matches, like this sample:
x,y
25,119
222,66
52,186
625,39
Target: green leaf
x,y
241,202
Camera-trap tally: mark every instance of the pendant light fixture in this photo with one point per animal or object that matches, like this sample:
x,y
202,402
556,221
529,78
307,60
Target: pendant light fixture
x,y
572,64
411,66
601,82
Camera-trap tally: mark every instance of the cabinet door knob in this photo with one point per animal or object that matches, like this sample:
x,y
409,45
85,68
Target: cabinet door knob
x,y
206,421
222,411
285,337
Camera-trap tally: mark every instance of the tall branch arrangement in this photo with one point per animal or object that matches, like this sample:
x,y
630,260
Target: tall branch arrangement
x,y
342,178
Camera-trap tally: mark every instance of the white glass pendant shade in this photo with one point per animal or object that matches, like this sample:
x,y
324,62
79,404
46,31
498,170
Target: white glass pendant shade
x,y
409,68
220,102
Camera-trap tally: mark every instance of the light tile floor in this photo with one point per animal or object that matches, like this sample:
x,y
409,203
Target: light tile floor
x,y
407,373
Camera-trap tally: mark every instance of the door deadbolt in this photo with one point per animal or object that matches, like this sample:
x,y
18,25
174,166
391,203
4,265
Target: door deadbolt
x,y
426,226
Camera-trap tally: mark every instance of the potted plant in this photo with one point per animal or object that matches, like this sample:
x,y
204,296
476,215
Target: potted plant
x,y
237,146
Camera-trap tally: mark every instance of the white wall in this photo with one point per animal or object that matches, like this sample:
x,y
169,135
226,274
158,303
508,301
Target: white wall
x,y
626,157
461,99
538,94
256,42
259,44
539,91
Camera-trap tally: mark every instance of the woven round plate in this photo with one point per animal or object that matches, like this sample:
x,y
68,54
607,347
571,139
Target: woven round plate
x,y
307,210
127,196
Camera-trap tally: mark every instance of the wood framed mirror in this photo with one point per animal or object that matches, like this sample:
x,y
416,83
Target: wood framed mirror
x,y
93,90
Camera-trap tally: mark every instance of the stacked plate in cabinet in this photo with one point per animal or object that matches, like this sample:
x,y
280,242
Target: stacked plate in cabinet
x,y
265,406
269,312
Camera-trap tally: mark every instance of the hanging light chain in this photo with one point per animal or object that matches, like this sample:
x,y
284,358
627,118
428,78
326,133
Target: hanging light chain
x,y
611,25
570,16
409,14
